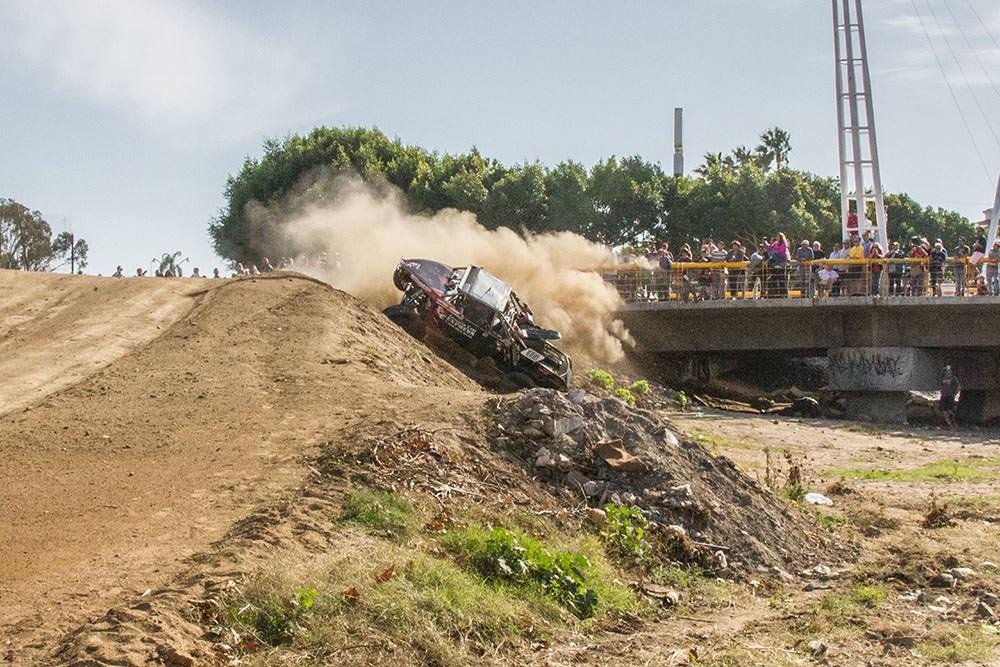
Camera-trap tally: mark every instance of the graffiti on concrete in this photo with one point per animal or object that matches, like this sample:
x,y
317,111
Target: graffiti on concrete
x,y
885,369
875,364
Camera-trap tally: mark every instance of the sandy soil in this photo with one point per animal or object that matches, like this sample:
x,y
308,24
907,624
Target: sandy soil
x,y
141,446
160,437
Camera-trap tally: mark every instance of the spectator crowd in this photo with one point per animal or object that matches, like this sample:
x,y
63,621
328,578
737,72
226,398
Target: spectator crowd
x,y
859,266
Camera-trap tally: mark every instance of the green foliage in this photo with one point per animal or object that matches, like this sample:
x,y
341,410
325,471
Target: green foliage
x,y
748,194
26,241
682,399
624,394
624,530
958,470
385,512
601,378
271,617
794,492
640,388
504,556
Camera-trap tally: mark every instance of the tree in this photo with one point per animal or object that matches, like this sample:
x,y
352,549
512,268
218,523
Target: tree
x,y
775,145
517,200
26,241
72,251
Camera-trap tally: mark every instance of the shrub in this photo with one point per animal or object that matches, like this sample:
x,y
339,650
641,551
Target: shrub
x,y
504,556
625,395
624,530
640,388
601,378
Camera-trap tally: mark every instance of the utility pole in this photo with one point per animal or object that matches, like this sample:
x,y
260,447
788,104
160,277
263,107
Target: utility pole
x,y
678,141
860,176
72,254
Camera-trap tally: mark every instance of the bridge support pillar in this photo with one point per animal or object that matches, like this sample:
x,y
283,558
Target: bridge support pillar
x,y
876,380
881,407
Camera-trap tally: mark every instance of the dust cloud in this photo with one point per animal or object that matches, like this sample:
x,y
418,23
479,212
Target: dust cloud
x,y
365,230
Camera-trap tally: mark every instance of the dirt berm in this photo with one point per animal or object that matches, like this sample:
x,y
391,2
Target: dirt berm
x,y
160,438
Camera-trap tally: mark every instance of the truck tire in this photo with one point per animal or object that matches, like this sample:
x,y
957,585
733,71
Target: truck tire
x,y
406,319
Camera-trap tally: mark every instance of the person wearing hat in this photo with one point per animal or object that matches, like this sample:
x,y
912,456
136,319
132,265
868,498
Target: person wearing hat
x,y
804,255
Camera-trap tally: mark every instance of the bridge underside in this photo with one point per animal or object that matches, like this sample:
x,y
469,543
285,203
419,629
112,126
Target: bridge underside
x,y
877,349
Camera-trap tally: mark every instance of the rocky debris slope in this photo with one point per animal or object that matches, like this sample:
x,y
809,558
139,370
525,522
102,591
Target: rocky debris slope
x,y
599,450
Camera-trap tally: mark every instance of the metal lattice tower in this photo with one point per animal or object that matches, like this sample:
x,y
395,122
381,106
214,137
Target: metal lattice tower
x,y
860,180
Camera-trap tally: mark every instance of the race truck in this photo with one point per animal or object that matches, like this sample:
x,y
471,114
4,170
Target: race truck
x,y
483,315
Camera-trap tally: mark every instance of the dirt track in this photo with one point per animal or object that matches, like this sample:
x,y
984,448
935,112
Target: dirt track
x,y
142,418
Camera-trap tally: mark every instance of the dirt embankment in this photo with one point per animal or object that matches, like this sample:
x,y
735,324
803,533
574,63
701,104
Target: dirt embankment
x,y
151,466
210,401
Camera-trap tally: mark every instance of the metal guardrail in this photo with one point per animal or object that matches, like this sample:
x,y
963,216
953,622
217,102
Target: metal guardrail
x,y
824,278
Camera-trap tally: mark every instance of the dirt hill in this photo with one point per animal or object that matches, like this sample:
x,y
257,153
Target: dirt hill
x,y
162,438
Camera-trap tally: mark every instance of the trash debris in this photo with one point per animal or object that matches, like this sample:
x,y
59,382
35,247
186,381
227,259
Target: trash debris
x,y
817,499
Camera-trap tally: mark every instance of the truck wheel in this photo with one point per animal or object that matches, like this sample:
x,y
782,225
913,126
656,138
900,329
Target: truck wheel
x,y
406,319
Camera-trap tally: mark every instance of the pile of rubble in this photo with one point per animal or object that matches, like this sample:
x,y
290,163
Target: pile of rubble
x,y
597,450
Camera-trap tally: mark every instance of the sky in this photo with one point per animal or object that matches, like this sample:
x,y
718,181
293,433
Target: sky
x,y
122,119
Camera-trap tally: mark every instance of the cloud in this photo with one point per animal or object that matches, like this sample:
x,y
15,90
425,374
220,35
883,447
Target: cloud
x,y
163,61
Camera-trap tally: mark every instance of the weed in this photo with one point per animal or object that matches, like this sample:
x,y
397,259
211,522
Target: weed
x,y
937,516
577,581
794,492
624,529
379,510
624,394
601,378
640,388
830,523
271,615
504,556
682,400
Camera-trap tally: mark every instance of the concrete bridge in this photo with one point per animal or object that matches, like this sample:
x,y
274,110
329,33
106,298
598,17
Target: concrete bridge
x,y
877,348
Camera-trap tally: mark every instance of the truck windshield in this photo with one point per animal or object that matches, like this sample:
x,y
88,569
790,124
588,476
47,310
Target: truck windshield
x,y
486,288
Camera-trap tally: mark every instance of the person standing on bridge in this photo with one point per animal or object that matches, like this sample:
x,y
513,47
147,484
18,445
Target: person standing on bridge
x,y
737,254
950,390
804,255
896,269
962,253
993,270
778,256
938,256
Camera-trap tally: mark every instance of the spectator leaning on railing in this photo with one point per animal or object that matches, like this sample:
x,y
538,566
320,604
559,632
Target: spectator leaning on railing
x,y
896,269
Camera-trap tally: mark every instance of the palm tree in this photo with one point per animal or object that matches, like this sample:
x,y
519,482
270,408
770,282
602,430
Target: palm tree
x,y
775,145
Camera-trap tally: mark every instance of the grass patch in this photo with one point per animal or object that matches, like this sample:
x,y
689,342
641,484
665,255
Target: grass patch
x,y
851,605
425,611
577,579
379,510
711,440
958,645
957,470
831,523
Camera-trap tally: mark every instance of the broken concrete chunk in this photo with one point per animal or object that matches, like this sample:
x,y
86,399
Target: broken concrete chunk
x,y
817,499
615,456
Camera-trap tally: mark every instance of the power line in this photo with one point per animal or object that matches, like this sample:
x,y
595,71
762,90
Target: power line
x,y
968,43
961,70
983,23
951,90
